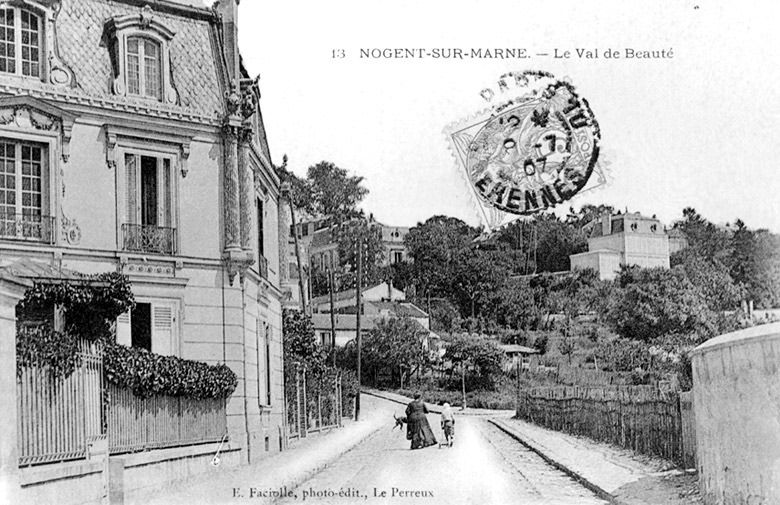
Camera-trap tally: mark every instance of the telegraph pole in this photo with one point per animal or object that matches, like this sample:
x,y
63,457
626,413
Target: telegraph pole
x,y
358,289
332,316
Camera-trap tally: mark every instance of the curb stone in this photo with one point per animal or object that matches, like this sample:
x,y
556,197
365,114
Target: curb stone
x,y
590,485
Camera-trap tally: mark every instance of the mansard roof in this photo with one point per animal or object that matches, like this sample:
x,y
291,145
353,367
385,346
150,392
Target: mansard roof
x,y
195,57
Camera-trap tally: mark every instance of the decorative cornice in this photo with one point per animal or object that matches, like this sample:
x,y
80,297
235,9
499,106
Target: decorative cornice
x,y
151,109
29,112
114,131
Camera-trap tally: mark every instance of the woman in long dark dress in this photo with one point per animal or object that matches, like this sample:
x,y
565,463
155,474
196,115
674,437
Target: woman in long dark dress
x,y
417,428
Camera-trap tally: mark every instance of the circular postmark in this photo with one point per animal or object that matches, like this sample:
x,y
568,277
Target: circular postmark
x,y
535,152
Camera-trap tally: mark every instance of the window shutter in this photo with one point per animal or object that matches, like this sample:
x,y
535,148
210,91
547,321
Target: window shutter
x,y
164,217
162,328
131,167
123,335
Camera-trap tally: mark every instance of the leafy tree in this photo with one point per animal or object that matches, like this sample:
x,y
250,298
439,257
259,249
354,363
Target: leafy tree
x,y
654,302
704,237
755,263
481,355
711,277
396,345
300,344
556,241
334,192
476,274
432,245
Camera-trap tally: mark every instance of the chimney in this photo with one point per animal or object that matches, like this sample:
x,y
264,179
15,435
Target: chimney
x,y
228,12
390,291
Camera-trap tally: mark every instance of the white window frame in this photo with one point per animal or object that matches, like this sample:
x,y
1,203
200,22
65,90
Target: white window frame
x,y
128,145
145,26
142,77
18,41
49,195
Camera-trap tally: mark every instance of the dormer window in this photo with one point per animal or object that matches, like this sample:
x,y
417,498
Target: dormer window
x,y
139,46
21,39
144,68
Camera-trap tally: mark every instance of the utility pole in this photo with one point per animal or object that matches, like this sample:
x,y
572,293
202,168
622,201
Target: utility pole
x,y
332,317
287,187
358,301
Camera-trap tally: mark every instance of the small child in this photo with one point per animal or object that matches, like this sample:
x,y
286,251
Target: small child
x,y
448,424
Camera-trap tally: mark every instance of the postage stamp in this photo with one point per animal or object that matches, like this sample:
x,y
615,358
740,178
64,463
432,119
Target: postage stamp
x,y
535,148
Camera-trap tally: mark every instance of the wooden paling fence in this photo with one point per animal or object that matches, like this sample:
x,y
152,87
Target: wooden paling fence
x,y
312,405
57,418
641,418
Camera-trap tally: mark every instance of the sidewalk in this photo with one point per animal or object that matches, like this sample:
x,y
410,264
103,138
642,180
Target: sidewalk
x,y
286,469
615,474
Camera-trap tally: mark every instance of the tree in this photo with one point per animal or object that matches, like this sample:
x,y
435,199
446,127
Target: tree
x,y
432,245
482,356
300,344
395,345
332,192
556,241
711,277
706,239
477,273
656,302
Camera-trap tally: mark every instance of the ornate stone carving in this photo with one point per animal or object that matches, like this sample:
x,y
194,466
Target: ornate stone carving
x,y
59,72
231,190
70,229
111,149
28,113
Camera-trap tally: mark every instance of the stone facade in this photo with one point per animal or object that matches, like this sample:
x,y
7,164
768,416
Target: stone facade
x,y
137,145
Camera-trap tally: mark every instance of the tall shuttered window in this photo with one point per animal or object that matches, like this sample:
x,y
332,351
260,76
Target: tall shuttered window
x,y
149,224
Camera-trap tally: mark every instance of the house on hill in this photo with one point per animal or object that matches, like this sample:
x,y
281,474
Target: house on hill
x,y
623,239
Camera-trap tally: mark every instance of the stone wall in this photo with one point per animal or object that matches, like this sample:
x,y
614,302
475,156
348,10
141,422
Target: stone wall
x,y
737,410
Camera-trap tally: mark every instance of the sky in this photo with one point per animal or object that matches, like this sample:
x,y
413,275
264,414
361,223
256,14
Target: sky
x,y
698,129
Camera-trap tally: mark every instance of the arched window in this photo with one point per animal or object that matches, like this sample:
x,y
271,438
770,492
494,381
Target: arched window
x,y
144,68
21,42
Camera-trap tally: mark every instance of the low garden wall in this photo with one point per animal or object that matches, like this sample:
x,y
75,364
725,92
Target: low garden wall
x,y
736,397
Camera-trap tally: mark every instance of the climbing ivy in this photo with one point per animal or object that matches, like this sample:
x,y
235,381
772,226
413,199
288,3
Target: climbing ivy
x,y
148,374
43,347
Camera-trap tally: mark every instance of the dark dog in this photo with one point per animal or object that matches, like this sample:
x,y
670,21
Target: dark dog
x,y
399,422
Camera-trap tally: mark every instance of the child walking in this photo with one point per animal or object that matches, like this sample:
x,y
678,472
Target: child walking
x,y
448,424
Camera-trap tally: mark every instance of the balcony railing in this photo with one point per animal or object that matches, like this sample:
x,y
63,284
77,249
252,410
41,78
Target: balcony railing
x,y
262,266
35,228
151,239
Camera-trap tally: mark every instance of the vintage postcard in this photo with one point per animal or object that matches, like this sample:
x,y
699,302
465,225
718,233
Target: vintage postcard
x,y
491,252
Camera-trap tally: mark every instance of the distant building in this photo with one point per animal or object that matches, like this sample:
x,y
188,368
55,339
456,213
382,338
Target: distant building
x,y
623,239
324,253
515,355
379,302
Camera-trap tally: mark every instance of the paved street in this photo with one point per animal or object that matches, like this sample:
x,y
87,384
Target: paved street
x,y
485,466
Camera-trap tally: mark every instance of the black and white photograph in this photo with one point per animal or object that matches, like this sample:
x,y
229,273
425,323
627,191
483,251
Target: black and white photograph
x,y
490,252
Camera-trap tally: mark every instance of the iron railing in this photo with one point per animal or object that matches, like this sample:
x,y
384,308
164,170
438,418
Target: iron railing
x,y
313,404
57,418
31,227
137,424
147,238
